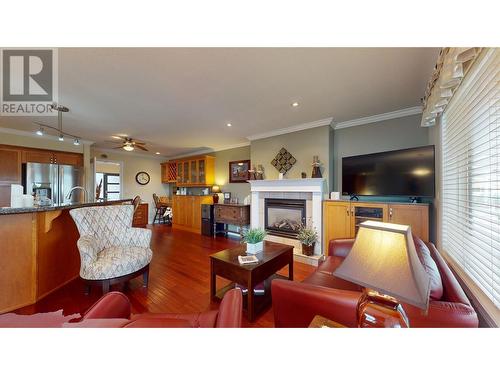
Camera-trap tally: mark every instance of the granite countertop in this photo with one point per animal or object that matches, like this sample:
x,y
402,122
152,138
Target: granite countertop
x,y
55,207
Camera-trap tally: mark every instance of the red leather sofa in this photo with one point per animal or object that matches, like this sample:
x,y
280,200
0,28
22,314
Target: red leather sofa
x,y
113,311
295,304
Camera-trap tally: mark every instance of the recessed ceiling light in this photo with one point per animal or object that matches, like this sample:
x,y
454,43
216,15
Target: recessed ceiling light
x,y
157,153
229,124
295,104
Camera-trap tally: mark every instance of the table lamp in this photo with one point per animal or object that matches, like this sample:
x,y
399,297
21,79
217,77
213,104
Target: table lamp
x,y
216,190
383,259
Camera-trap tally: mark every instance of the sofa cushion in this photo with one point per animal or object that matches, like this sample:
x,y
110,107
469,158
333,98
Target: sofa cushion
x,y
430,267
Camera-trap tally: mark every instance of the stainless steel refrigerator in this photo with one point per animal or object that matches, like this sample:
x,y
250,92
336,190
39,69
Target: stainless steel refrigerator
x,y
53,181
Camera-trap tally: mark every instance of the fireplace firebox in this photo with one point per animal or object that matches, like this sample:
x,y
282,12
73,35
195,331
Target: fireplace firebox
x,y
283,217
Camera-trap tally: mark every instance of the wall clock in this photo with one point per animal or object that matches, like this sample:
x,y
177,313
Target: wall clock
x,y
142,178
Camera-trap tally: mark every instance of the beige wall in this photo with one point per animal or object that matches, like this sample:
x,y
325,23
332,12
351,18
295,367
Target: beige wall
x,y
303,145
132,164
222,159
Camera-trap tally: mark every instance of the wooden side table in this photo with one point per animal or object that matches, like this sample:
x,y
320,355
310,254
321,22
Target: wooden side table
x,y
231,214
322,322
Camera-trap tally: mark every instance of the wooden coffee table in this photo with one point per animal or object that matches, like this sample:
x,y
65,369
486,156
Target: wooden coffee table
x,y
225,264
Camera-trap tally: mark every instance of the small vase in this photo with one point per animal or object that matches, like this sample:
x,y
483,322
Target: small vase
x,y
254,248
308,250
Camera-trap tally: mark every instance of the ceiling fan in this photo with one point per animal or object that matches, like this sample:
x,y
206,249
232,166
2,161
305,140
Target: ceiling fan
x,y
129,144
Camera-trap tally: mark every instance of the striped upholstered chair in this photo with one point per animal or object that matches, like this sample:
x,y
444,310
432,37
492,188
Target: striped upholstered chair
x,y
111,250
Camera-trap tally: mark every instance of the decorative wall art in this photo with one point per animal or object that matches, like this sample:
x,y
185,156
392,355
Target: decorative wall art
x,y
283,161
238,171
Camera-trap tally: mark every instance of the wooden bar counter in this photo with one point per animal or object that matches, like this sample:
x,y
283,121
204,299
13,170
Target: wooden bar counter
x,y
38,253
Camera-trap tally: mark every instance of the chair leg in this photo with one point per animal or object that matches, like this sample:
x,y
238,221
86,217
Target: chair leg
x,y
145,278
105,286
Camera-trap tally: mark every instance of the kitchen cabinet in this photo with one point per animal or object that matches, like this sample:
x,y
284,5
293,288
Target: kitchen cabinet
x,y
186,211
53,157
169,172
196,171
10,172
10,168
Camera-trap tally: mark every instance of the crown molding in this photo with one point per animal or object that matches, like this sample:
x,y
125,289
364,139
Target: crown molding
x,y
376,118
292,129
25,133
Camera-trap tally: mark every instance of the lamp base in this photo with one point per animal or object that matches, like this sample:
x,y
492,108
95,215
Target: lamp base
x,y
215,197
377,310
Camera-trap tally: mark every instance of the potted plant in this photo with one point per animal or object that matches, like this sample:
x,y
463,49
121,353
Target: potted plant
x,y
254,239
307,237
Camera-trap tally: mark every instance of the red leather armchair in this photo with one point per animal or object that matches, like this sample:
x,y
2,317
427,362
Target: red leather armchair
x,y
113,310
295,304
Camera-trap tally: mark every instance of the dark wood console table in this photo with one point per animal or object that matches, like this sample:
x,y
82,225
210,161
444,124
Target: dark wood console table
x,y
231,214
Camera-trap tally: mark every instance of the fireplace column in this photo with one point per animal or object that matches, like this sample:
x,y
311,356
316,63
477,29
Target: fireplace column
x,y
254,211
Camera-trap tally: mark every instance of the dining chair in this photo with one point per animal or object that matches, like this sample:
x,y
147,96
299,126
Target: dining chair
x,y
160,210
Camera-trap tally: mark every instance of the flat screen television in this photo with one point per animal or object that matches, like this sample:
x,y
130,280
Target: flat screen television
x,y
408,172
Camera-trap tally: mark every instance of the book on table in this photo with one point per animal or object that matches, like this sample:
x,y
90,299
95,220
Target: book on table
x,y
247,259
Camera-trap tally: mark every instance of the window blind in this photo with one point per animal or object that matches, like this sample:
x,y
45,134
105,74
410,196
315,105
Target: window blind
x,y
471,175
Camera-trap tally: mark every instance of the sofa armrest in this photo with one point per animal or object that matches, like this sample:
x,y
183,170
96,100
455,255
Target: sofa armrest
x,y
140,237
88,248
230,310
442,314
340,247
295,304
112,305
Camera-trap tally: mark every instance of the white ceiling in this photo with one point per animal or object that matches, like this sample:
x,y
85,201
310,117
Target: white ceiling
x,y
179,100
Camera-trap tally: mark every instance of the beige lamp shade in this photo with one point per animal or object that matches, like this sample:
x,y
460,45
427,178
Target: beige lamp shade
x,y
383,258
216,189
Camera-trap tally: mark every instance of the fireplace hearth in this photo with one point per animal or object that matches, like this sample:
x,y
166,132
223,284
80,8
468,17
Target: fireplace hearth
x,y
284,217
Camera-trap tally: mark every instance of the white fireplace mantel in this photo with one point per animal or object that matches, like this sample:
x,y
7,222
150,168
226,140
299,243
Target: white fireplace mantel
x,y
315,186
309,185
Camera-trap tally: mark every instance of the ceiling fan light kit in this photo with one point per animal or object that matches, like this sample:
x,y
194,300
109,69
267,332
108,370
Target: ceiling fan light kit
x,y
129,144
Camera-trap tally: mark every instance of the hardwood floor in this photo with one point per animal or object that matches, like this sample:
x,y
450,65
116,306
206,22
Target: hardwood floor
x,y
178,279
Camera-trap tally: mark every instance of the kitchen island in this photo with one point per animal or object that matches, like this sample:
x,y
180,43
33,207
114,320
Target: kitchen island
x,y
38,252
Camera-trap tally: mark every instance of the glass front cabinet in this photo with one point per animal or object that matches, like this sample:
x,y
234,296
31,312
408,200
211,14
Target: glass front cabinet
x,y
196,171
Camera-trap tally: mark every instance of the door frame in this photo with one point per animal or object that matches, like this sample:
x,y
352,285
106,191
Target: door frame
x,y
120,162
